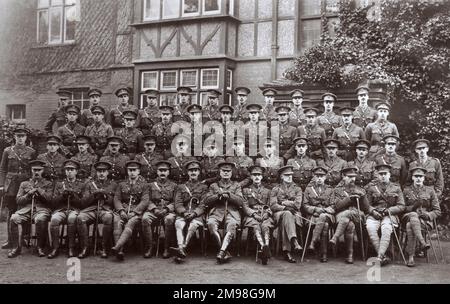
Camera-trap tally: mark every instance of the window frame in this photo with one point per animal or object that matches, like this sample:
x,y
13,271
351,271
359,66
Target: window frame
x,y
142,80
164,17
162,88
11,109
203,87
231,79
182,78
49,8
183,14
145,18
215,12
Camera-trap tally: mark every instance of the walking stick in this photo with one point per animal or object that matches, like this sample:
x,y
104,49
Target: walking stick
x,y
361,230
432,246
31,219
396,237
307,235
439,241
96,221
1,205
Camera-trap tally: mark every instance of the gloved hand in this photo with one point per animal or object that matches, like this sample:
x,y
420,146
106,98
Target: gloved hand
x,y
40,192
132,214
266,216
329,210
163,212
189,216
123,215
376,215
291,210
386,212
425,216
257,217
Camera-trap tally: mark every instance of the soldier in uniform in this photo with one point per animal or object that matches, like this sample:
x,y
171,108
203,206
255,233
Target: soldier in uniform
x,y
116,114
386,202
328,120
285,203
211,110
161,209
150,115
182,156
287,132
271,162
189,209
268,110
84,157
240,113
226,113
258,215
422,207
131,136
296,115
347,134
350,203
97,205
69,132
184,96
318,205
54,160
14,169
115,158
366,166
251,129
433,176
241,162
376,131
99,130
363,114
333,163
163,133
87,117
301,163
224,201
67,201
149,158
210,160
34,201
131,199
59,115
196,130
313,132
399,171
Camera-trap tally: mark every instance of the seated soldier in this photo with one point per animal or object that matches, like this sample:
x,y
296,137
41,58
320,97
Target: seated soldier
x,y
84,157
317,203
301,163
257,211
98,206
285,203
34,202
224,201
422,208
189,209
131,199
386,202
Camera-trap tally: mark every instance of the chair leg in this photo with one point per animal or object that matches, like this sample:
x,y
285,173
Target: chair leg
x,y
249,233
205,238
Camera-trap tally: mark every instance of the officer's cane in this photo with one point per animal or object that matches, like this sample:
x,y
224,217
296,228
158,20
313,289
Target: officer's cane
x,y
96,228
307,235
1,205
396,237
432,246
361,230
31,219
439,241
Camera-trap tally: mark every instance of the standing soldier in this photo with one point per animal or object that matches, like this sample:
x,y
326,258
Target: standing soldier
x,y
433,176
210,172
69,132
87,117
318,205
189,209
195,117
150,115
268,111
14,169
287,132
399,171
363,114
366,166
59,115
301,163
347,134
296,115
34,201
99,130
251,129
116,114
285,203
333,163
131,199
53,160
258,215
84,157
131,136
67,205
149,158
184,100
349,202
376,131
315,135
386,202
182,156
226,113
161,209
163,133
271,162
97,206
115,158
422,208
211,110
329,121
240,113
224,200
241,162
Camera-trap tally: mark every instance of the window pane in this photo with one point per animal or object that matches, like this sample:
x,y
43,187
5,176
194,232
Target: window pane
x,y
70,2
191,7
189,78
149,80
229,79
78,103
151,9
211,5
57,2
70,22
230,7
171,8
169,80
310,33
77,95
55,25
310,7
43,26
168,99
43,3
210,78
17,111
203,99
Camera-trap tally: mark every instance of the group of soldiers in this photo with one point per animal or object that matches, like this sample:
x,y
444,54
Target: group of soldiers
x,y
128,170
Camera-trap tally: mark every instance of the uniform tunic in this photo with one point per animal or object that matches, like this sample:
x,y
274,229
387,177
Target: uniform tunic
x,y
366,169
399,171
302,167
147,118
375,131
68,134
87,161
296,116
54,163
148,164
317,200
334,167
116,115
347,136
434,176
118,162
363,116
99,132
329,121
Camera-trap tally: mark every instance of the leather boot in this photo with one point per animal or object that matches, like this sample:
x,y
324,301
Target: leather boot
x,y
16,240
83,235
8,243
324,247
41,237
148,240
54,232
71,231
106,240
118,248
349,246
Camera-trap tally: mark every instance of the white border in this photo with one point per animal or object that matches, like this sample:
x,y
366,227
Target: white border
x,y
145,18
162,79
231,78
219,4
60,8
65,23
142,80
183,14
201,79
177,15
196,78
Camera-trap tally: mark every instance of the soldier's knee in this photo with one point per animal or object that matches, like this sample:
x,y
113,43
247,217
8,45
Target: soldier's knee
x,y
72,219
40,219
169,220
107,218
193,226
81,219
322,217
350,227
55,220
15,218
179,224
